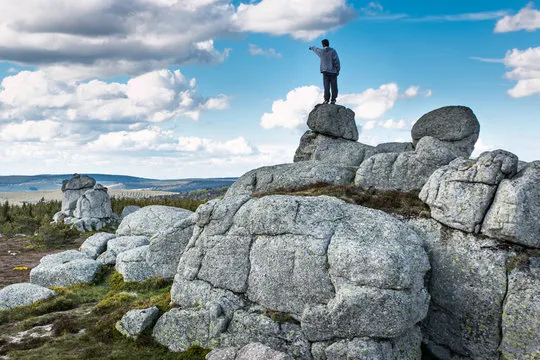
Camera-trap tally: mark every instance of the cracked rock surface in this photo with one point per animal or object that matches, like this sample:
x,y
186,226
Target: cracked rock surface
x,y
515,213
456,126
291,176
404,171
151,219
332,269
65,269
468,285
460,194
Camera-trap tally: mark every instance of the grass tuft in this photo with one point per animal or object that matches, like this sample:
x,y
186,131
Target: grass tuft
x,y
402,203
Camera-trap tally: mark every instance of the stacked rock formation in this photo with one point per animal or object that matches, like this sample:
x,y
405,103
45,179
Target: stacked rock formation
x,y
318,261
85,204
281,276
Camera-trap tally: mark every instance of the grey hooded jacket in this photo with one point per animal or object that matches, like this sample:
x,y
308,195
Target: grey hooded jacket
x,y
329,59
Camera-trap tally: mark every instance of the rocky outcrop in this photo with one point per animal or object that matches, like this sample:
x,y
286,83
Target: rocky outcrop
x,y
314,146
365,348
323,264
149,220
249,352
96,244
290,176
333,120
73,189
94,203
65,269
167,246
23,294
515,213
468,286
133,266
404,171
135,322
521,312
460,194
118,245
85,204
456,126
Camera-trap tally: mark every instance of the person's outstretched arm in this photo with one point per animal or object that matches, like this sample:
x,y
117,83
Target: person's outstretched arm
x,y
316,50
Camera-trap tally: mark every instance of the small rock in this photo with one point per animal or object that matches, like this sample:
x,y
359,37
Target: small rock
x,y
118,245
455,125
96,244
23,294
133,266
251,351
333,120
70,272
135,322
150,220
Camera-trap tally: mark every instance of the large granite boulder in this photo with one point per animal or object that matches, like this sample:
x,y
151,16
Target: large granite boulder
x,y
23,294
404,171
332,270
133,266
515,213
457,126
521,313
73,189
468,285
460,194
150,220
65,269
135,322
290,177
94,203
249,352
333,120
314,146
118,245
96,244
167,246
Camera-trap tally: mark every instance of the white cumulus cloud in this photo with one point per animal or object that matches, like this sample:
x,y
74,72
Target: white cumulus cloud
x,y
527,19
371,104
103,38
156,96
526,72
295,17
257,50
291,113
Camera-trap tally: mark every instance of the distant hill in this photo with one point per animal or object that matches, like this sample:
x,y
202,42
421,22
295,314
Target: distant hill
x,y
54,182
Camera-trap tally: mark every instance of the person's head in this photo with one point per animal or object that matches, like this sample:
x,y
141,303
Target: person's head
x,y
325,43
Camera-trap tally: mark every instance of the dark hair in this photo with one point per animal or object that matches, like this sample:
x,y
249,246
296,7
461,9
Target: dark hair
x,y
325,43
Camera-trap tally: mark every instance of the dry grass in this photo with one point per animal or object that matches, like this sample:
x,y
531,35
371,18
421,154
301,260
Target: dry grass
x,y
402,203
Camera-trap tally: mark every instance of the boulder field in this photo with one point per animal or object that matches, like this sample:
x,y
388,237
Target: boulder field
x,y
265,276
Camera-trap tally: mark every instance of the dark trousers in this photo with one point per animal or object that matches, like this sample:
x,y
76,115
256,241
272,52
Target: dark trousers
x,y
330,80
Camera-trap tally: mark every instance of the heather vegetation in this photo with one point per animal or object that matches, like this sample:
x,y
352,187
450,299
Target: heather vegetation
x,y
401,203
79,323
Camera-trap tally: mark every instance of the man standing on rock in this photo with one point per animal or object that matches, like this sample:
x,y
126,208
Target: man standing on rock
x,y
330,67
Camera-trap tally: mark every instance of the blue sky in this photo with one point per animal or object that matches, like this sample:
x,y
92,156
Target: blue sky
x,y
208,88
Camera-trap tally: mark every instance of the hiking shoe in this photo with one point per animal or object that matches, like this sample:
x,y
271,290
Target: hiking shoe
x,y
325,102
333,102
